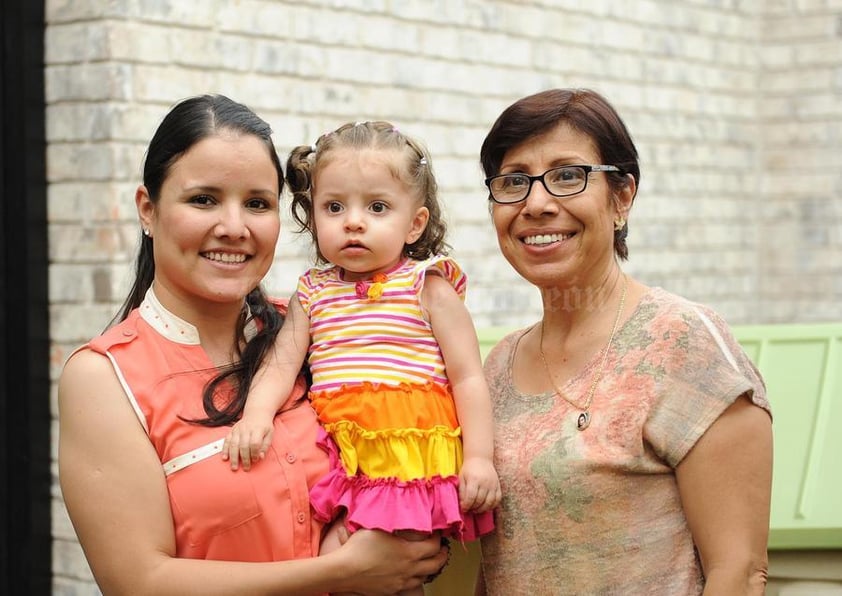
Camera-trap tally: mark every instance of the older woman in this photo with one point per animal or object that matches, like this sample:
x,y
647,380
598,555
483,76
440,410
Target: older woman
x,y
633,435
144,408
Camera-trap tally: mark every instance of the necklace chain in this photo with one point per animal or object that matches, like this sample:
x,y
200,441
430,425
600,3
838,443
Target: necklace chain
x,y
584,418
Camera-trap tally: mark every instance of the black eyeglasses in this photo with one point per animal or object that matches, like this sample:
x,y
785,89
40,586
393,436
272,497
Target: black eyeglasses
x,y
562,181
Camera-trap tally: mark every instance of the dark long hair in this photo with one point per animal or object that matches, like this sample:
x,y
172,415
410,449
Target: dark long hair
x,y
187,123
582,109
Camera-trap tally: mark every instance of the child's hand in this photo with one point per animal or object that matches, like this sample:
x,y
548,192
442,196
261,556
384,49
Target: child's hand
x,y
479,487
248,440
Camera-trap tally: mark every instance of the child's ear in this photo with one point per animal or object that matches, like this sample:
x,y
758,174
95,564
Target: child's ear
x,y
419,224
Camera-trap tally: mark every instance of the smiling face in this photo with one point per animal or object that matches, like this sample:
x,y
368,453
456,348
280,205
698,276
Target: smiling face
x,y
364,214
554,241
215,224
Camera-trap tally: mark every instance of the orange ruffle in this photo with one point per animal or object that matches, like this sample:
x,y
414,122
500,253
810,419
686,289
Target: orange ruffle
x,y
377,406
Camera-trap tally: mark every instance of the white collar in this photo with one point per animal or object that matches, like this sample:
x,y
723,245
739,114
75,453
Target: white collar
x,y
175,328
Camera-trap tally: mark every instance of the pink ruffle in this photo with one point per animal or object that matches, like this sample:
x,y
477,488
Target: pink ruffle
x,y
389,504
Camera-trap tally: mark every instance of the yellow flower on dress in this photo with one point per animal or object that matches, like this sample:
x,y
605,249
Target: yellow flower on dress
x,y
375,291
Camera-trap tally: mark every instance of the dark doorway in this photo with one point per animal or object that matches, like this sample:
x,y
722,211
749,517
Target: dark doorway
x,y
25,533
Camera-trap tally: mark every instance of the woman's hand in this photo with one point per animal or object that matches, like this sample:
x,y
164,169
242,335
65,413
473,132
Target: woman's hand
x,y
383,563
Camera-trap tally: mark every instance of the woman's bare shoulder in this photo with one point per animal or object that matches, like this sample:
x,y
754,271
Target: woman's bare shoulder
x,y
85,367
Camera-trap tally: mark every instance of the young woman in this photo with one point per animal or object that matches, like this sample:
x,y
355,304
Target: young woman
x,y
144,407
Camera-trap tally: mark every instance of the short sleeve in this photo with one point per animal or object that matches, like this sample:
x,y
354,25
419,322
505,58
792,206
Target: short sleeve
x,y
280,304
304,290
445,267
704,372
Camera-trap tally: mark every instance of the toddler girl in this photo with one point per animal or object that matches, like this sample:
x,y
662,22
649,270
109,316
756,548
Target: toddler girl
x,y
397,380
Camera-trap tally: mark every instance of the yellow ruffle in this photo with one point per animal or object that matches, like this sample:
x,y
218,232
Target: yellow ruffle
x,y
405,454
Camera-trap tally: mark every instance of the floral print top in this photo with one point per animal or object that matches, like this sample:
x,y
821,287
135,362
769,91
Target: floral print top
x,y
598,511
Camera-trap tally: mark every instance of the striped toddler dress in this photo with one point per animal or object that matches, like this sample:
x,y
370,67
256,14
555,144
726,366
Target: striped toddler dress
x,y
381,392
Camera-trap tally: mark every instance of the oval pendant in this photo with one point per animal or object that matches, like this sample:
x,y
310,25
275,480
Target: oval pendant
x,y
584,421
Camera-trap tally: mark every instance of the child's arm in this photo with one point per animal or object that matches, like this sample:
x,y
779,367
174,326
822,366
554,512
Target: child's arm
x,y
479,487
251,435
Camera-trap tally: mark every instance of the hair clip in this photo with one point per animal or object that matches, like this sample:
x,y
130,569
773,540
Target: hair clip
x,y
423,161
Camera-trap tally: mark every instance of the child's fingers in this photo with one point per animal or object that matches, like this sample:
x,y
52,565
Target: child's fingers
x,y
479,495
245,455
264,445
258,443
488,501
479,500
231,448
467,494
255,450
226,444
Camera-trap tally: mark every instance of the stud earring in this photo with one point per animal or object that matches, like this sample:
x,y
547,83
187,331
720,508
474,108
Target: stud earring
x,y
147,233
619,223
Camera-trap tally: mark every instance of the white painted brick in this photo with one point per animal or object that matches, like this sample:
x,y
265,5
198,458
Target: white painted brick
x,y
192,48
274,57
63,586
165,84
397,37
90,82
255,17
807,79
466,13
827,51
132,41
62,528
90,161
85,202
100,121
78,323
775,57
69,561
58,11
76,42
366,6
807,27
96,243
183,12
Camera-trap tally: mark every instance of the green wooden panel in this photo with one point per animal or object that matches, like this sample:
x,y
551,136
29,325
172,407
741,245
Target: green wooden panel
x,y
802,368
801,365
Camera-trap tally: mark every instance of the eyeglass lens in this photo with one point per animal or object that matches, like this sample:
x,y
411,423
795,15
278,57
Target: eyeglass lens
x,y
566,180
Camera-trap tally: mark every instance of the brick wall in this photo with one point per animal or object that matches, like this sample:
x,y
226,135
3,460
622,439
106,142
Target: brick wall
x,y
799,111
736,107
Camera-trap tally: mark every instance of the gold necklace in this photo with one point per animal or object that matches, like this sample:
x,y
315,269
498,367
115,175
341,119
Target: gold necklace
x,y
584,418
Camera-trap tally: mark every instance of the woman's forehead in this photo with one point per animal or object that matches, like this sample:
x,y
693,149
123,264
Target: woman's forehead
x,y
559,144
